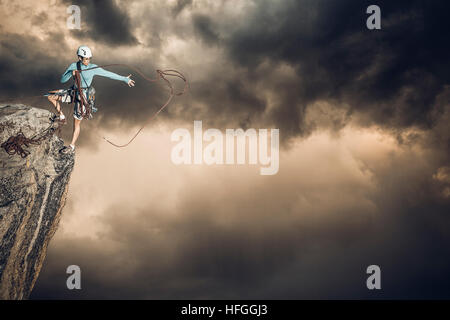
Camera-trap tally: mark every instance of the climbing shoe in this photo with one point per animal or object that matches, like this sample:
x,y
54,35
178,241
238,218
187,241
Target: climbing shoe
x,y
67,149
61,118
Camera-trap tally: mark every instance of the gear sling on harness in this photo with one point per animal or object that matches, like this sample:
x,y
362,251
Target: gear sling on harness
x,y
84,102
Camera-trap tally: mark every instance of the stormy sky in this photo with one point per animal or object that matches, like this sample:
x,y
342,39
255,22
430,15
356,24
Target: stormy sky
x,y
364,174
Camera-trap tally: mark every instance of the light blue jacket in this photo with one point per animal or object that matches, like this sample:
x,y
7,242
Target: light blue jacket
x,y
87,76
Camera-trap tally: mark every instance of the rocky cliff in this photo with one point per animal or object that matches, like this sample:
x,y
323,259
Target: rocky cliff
x,y
33,191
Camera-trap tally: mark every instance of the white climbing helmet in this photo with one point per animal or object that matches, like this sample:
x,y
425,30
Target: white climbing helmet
x,y
84,51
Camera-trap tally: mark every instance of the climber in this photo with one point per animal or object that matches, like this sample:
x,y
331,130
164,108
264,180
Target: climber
x,y
72,95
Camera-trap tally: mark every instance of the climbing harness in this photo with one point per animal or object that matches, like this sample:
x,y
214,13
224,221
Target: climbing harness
x,y
84,101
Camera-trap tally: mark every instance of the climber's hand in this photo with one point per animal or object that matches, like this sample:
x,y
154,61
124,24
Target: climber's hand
x,y
74,72
130,82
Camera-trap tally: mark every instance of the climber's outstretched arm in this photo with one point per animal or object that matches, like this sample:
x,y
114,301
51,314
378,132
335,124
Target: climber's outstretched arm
x,y
108,74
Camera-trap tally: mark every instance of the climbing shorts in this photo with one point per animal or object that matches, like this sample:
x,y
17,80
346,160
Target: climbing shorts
x,y
66,95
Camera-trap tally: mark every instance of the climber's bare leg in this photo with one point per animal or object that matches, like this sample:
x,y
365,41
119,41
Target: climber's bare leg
x,y
76,130
55,99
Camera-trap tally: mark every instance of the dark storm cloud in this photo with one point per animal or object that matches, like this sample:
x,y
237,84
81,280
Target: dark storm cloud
x,y
229,102
392,76
105,21
180,6
389,77
389,74
39,19
27,67
204,27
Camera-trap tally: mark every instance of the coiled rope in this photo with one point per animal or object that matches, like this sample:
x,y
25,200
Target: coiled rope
x,y
14,144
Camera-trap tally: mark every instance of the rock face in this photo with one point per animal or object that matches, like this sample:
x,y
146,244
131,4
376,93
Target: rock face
x,y
33,191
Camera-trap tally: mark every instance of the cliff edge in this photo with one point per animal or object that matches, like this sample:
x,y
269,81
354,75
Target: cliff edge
x,y
33,191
